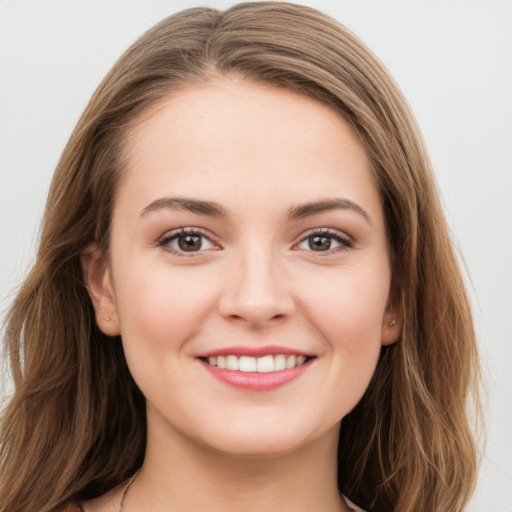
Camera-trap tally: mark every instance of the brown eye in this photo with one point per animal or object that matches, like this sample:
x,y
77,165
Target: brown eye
x,y
319,243
189,242
325,241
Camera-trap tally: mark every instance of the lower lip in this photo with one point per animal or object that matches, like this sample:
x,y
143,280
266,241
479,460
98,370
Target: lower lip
x,y
255,381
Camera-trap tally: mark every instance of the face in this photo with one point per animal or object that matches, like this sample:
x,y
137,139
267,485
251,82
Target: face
x,y
248,272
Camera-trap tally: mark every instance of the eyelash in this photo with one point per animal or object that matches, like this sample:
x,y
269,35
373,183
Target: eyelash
x,y
168,238
344,241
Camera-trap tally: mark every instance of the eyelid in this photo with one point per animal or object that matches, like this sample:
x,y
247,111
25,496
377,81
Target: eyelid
x,y
345,240
164,240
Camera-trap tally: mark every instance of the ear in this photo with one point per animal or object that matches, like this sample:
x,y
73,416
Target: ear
x,y
98,281
392,319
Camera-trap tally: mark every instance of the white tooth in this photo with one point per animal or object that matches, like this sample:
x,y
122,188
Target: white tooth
x,y
265,364
212,361
221,362
247,364
291,361
231,363
279,362
301,360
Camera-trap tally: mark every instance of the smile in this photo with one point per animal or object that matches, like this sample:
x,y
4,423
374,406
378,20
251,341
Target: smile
x,y
256,368
265,364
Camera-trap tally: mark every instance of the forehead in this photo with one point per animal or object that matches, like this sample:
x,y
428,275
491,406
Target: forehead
x,y
225,137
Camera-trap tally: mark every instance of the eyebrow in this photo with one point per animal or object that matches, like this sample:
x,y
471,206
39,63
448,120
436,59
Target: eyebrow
x,y
209,208
316,207
213,209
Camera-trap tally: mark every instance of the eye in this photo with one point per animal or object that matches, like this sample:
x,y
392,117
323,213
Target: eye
x,y
325,241
187,241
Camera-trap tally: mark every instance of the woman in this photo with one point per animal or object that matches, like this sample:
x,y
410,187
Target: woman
x,y
245,294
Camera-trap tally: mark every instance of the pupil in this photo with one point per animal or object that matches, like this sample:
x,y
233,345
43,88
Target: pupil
x,y
189,242
319,243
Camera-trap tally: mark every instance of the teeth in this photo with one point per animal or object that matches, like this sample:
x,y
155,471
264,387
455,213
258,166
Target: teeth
x,y
247,364
279,362
291,361
263,364
232,363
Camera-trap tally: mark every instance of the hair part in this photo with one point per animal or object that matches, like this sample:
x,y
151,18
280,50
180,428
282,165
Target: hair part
x,y
408,445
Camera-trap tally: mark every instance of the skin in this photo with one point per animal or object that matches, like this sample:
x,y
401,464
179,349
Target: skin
x,y
256,280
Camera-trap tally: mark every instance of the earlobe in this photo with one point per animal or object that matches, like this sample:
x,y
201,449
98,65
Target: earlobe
x,y
391,332
392,320
98,282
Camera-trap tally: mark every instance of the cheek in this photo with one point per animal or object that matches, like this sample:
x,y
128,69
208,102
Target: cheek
x,y
350,301
351,326
162,308
159,312
347,308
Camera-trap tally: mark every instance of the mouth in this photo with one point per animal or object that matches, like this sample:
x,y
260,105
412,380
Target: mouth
x,y
265,364
256,369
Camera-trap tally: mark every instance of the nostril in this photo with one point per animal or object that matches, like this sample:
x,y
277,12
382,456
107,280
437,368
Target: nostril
x,y
255,302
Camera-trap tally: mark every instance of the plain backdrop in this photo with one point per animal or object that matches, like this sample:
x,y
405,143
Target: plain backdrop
x,y
453,61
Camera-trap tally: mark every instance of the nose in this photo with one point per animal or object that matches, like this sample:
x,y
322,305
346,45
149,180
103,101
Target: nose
x,y
256,291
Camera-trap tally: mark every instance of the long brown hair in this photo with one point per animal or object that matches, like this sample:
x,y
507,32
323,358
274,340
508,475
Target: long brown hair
x,y
75,425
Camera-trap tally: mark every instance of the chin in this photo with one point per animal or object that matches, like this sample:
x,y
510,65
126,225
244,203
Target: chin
x,y
269,442
259,448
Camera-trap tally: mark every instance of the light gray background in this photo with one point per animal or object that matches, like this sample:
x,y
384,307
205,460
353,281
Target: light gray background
x,y
452,59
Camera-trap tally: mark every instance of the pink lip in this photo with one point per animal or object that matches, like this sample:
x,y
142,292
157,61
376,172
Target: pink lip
x,y
255,381
254,351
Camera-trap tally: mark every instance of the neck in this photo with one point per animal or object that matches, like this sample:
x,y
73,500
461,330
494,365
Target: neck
x,y
185,476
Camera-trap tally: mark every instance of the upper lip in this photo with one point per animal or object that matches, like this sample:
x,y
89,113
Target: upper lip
x,y
254,351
